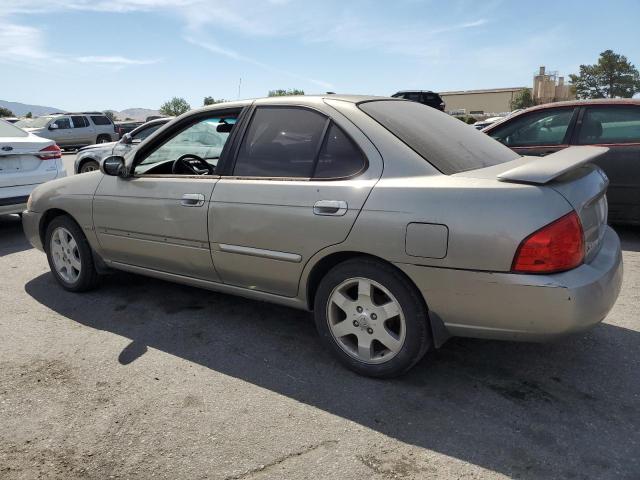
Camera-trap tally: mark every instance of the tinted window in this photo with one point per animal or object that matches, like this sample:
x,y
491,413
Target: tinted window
x,y
63,123
100,120
414,97
339,157
202,139
280,142
545,127
610,125
447,143
79,122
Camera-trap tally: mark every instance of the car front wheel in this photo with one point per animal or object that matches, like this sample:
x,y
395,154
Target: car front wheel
x,y
372,318
89,166
69,255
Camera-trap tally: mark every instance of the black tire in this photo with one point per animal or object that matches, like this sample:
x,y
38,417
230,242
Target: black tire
x,y
89,166
103,139
418,332
88,276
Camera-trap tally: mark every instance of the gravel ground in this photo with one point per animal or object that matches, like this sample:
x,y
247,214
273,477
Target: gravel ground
x,y
142,378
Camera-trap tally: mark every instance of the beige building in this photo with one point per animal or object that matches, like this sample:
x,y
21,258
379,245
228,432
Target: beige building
x,y
480,102
547,87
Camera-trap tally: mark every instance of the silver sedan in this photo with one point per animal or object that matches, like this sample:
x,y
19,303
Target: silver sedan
x,y
397,225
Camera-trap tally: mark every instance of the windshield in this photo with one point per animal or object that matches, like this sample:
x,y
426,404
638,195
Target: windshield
x,y
444,141
7,130
38,122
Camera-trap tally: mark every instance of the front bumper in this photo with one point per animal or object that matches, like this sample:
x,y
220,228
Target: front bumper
x,y
511,306
13,204
31,227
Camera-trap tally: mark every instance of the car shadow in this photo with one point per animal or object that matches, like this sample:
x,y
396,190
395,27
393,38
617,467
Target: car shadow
x,y
629,237
559,410
12,239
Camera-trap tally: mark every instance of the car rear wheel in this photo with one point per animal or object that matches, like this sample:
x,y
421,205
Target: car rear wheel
x,y
103,139
69,255
89,166
372,318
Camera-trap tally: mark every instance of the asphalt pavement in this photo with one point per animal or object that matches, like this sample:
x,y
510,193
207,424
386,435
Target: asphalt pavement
x,y
142,378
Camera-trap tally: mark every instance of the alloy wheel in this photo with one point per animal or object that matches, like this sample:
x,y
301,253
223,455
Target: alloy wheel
x,y
65,254
366,320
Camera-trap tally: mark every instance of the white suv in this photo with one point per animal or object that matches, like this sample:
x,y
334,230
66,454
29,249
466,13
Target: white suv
x,y
26,161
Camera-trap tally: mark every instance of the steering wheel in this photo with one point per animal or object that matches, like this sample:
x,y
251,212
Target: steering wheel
x,y
189,163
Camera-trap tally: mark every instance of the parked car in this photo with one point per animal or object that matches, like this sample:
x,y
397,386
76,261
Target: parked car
x,y
615,124
426,97
88,158
480,124
396,224
72,130
25,162
126,127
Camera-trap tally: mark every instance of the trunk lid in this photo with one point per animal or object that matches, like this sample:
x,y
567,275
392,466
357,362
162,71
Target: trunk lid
x,y
570,173
19,163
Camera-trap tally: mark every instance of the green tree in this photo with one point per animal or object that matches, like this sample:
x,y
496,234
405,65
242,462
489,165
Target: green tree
x,y
174,107
522,99
28,115
5,112
213,101
111,115
284,93
613,76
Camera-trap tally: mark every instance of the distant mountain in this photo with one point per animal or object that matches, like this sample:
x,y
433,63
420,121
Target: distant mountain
x,y
139,114
20,109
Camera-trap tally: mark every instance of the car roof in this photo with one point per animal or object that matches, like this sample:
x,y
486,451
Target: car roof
x,y
416,91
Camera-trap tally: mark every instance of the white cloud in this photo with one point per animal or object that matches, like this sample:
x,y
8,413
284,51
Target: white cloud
x,y
115,60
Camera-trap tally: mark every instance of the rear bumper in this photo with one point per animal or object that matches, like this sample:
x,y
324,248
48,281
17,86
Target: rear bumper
x,y
523,307
31,227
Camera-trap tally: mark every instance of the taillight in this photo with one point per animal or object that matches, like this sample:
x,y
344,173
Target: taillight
x,y
555,248
50,153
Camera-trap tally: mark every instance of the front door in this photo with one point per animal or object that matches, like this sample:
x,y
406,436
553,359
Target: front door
x,y
157,219
297,185
538,133
616,127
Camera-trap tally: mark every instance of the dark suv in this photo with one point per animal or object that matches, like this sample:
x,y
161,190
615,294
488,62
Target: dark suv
x,y
426,97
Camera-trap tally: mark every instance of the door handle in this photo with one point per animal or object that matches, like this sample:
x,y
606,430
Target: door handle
x,y
192,200
330,207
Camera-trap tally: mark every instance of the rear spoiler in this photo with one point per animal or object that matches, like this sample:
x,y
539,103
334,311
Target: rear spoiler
x,y
541,170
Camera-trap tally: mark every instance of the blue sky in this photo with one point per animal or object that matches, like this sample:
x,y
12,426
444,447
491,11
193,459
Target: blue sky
x,y
98,54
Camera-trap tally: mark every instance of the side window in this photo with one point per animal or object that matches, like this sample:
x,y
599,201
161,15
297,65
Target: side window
x,y
280,142
413,96
612,124
79,122
204,139
339,157
63,123
100,120
145,132
546,127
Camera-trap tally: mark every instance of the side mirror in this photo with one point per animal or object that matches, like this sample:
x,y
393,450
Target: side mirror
x,y
114,166
126,139
53,126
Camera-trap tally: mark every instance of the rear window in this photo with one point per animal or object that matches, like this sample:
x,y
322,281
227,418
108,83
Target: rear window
x,y
100,120
447,143
8,130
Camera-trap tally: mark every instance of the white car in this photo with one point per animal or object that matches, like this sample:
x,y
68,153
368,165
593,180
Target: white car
x,y
26,161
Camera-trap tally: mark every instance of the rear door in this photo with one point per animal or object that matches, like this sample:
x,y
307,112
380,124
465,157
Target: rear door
x,y
83,132
537,133
295,185
618,128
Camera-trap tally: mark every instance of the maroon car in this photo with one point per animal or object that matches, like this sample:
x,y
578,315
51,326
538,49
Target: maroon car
x,y
612,123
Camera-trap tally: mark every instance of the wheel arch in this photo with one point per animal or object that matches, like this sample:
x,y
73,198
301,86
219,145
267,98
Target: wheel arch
x,y
84,160
47,218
